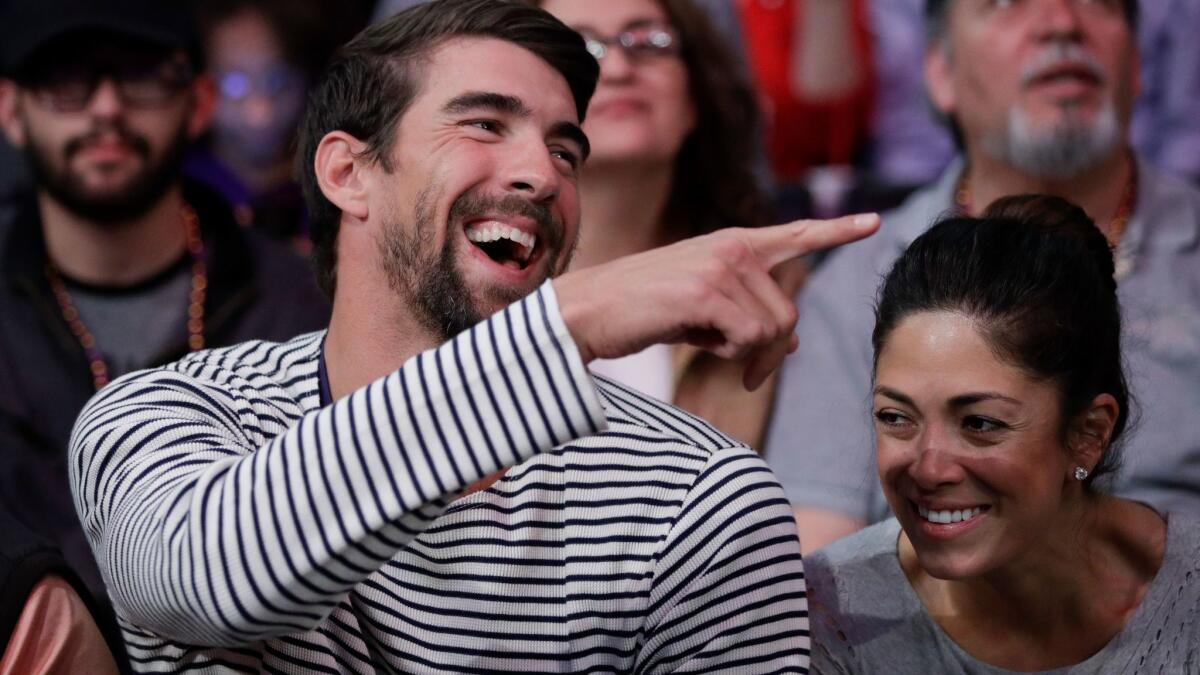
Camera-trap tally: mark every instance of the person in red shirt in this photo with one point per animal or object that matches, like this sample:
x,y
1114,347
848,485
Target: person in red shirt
x,y
812,64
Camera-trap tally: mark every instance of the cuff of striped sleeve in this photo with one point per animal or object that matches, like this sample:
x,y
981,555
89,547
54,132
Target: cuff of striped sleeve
x,y
576,369
526,387
572,392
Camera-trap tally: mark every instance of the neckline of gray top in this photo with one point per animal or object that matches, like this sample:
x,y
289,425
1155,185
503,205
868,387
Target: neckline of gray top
x,y
1134,631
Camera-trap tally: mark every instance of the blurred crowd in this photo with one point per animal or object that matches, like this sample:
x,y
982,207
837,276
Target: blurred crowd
x,y
846,123
708,114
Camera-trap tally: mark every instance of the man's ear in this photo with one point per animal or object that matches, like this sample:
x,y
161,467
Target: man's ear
x,y
339,165
1091,431
10,120
938,79
204,105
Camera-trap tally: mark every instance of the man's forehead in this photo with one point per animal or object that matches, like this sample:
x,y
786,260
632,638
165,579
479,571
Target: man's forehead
x,y
991,9
462,65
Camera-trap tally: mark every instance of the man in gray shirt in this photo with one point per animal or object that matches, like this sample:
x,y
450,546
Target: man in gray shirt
x,y
1041,92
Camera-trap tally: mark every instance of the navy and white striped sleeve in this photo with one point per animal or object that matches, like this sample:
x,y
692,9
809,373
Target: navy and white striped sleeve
x,y
729,592
209,537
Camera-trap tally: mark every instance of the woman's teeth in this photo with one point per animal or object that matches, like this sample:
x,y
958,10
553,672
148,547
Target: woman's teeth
x,y
945,517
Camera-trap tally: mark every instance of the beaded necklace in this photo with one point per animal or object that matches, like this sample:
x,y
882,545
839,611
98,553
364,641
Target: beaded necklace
x,y
1116,226
195,309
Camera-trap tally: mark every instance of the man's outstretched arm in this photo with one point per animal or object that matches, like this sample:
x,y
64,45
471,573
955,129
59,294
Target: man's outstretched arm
x,y
215,524
211,537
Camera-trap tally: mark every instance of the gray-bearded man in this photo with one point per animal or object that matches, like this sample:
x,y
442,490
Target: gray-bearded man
x,y
1040,92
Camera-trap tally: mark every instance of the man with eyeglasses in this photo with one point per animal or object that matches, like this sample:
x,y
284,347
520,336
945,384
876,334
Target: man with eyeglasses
x,y
115,263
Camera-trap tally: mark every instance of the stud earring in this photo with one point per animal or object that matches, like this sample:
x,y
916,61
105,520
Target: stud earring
x,y
1080,473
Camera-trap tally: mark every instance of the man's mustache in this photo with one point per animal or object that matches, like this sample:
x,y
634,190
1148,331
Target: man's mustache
x,y
1060,54
104,131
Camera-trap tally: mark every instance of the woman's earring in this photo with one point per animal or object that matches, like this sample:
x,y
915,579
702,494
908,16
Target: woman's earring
x,y
1080,473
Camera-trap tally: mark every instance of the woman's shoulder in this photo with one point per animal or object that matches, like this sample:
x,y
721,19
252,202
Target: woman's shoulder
x,y
862,611
859,576
1161,636
1184,528
1181,560
870,547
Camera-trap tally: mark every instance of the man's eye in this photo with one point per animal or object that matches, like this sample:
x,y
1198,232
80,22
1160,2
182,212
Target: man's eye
x,y
567,156
486,125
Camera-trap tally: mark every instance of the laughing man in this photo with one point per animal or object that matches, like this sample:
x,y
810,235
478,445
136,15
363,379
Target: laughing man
x,y
435,483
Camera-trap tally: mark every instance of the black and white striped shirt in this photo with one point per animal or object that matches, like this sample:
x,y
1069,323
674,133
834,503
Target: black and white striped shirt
x,y
240,526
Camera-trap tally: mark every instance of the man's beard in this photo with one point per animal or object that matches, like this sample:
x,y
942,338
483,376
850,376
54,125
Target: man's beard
x,y
141,192
432,282
1070,146
1060,152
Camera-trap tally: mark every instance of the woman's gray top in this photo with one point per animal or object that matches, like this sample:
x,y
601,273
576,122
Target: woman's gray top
x,y
866,618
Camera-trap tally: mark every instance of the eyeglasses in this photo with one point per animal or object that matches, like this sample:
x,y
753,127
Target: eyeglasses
x,y
70,87
272,81
638,42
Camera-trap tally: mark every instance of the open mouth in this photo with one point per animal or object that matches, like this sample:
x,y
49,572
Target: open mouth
x,y
504,244
1079,75
950,516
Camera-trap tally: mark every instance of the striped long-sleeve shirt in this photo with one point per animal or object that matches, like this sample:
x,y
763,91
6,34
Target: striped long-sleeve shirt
x,y
241,526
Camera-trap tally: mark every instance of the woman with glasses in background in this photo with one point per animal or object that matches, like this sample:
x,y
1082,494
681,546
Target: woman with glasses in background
x,y
674,133
999,402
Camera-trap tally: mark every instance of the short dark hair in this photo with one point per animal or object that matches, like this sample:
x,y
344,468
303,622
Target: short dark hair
x,y
1038,276
937,13
372,80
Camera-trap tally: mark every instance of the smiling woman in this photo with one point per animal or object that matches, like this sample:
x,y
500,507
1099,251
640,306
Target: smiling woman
x,y
999,399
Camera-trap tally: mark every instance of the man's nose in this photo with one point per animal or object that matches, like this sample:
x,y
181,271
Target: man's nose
x,y
259,111
530,171
1059,19
106,99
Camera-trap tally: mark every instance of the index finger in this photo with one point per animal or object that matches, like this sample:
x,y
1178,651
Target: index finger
x,y
779,243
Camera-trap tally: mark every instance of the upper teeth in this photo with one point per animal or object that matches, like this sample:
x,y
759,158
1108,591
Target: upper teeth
x,y
949,516
493,231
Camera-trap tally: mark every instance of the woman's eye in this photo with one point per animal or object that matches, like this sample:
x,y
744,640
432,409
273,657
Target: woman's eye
x,y
982,424
890,418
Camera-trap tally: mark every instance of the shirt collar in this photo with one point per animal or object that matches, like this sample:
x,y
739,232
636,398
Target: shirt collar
x,y
1167,210
323,378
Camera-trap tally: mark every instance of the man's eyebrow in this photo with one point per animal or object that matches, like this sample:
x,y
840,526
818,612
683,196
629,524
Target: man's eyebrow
x,y
571,131
486,100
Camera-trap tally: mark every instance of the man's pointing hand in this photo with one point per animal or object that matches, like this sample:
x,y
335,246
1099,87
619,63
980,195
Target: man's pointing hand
x,y
714,291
